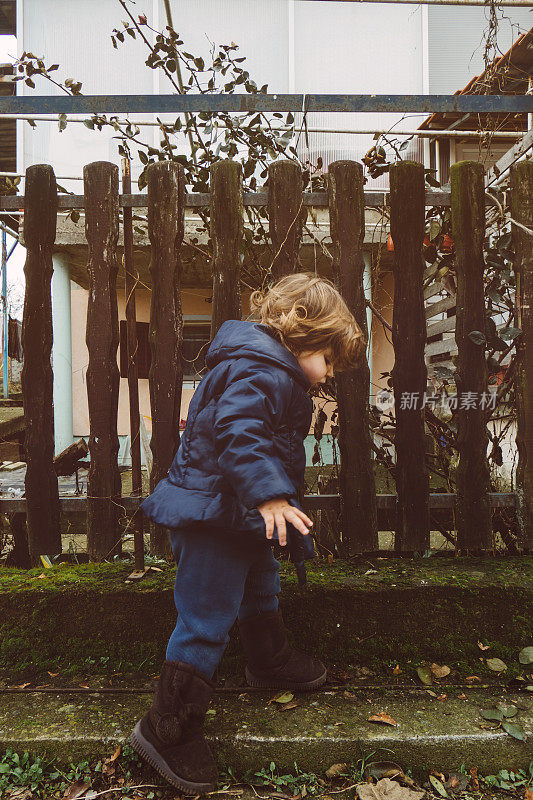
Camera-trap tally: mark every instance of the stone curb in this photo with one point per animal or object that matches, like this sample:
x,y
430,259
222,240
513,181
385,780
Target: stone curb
x,y
247,732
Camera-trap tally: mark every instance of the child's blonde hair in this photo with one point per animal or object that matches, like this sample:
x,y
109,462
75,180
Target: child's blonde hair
x,y
308,313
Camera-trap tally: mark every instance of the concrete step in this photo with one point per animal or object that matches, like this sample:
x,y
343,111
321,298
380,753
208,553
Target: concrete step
x,y
248,732
377,613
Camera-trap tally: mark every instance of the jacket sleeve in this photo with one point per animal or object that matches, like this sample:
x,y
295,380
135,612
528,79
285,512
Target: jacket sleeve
x,y
247,414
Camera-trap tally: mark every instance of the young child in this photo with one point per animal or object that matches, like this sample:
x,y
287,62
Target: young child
x,y
231,489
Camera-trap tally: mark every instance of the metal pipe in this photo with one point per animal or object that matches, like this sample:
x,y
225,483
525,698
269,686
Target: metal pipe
x,y
355,132
247,103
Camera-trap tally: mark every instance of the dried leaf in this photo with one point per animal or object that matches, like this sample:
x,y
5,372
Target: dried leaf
x,y
528,794
462,696
21,686
440,672
20,794
335,770
471,678
396,670
386,789
53,674
290,705
454,781
437,785
386,769
383,717
496,664
526,655
483,646
115,754
75,790
339,675
473,776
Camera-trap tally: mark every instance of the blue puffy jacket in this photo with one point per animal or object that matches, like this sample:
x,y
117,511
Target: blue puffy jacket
x,y
243,441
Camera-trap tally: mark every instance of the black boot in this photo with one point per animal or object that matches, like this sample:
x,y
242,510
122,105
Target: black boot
x,y
170,735
272,662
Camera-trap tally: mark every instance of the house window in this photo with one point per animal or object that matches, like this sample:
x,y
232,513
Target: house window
x,y
196,336
444,161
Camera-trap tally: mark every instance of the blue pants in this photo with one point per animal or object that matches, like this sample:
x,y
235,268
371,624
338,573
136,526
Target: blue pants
x,y
220,576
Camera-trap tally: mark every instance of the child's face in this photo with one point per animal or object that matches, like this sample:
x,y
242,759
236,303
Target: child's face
x,y
317,365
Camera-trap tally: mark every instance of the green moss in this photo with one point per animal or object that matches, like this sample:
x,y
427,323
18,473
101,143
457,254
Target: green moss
x,y
85,620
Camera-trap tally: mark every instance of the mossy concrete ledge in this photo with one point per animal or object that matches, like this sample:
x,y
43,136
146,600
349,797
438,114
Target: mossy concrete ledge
x,y
86,619
248,733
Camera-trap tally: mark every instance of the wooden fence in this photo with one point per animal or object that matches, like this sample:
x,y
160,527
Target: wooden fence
x,y
362,511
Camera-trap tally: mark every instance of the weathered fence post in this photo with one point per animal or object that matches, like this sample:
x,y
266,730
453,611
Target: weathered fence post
x,y
42,496
104,484
226,233
133,380
357,480
286,214
522,212
166,221
409,374
474,529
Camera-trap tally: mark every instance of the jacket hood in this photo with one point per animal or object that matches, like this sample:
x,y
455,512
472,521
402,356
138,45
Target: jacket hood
x,y
247,339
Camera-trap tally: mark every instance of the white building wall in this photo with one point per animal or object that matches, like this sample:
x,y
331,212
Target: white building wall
x,y
293,45
456,44
76,35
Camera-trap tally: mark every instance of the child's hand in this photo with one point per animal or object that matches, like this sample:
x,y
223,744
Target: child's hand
x,y
277,511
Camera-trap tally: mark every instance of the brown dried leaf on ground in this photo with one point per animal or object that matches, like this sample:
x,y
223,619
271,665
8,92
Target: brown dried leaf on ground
x,y
386,769
382,717
20,794
335,770
386,789
108,767
440,671
473,775
76,790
